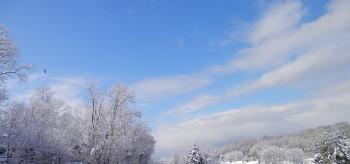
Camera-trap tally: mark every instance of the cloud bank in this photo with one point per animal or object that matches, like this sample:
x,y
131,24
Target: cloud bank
x,y
256,121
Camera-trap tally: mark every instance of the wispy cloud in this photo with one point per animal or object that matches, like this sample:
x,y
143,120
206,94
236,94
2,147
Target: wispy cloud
x,y
279,19
285,51
256,120
165,87
196,104
274,49
295,53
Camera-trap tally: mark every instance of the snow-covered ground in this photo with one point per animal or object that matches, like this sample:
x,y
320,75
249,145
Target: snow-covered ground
x,y
241,162
306,161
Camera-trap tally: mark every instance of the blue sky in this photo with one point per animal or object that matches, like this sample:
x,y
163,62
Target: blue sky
x,y
193,64
148,38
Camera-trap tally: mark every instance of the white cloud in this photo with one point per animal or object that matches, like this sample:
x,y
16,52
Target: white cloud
x,y
269,49
320,62
195,104
281,18
321,49
312,55
165,87
255,121
69,89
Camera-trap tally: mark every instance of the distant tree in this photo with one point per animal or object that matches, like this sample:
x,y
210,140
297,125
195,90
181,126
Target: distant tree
x,y
332,147
157,161
245,145
234,156
194,156
176,159
273,154
295,155
255,151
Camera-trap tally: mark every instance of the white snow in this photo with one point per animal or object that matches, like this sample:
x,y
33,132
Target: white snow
x,y
306,161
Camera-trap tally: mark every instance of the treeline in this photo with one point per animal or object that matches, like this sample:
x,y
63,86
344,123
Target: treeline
x,y
321,145
43,128
294,147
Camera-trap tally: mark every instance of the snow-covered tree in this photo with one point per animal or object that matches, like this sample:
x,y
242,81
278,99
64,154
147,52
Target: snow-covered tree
x,y
234,156
9,67
116,132
332,147
194,156
95,122
42,130
273,154
295,155
45,131
176,159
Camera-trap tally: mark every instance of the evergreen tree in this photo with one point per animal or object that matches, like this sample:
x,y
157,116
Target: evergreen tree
x,y
194,156
333,147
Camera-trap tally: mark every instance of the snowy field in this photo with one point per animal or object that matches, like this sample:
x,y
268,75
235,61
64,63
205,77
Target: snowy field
x,y
241,162
306,161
